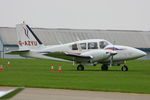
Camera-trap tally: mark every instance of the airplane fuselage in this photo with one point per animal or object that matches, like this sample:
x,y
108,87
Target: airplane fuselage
x,y
98,53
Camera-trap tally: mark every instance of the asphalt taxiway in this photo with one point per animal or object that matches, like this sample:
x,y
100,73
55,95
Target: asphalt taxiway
x,y
61,94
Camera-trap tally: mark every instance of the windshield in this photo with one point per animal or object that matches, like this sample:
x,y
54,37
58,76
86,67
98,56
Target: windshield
x,y
103,44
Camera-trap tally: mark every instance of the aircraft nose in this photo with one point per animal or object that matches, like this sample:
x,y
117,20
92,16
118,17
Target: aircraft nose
x,y
140,53
143,53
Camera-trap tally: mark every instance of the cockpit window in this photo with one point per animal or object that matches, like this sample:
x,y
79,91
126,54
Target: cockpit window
x,y
83,46
103,44
74,47
92,45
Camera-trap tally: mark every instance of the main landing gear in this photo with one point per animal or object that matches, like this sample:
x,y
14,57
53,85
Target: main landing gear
x,y
80,68
104,67
124,68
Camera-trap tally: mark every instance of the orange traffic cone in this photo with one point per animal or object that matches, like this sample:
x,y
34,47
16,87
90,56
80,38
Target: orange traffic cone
x,y
1,67
8,63
59,69
52,68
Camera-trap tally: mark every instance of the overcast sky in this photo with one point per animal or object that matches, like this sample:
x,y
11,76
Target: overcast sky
x,y
79,14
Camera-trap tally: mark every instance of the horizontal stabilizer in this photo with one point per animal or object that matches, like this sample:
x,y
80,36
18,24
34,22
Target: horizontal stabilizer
x,y
18,52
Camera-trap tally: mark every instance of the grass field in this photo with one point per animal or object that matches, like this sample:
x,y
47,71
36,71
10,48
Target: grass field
x,y
36,73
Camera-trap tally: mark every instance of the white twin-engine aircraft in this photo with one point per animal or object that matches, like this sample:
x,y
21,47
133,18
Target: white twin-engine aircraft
x,y
84,52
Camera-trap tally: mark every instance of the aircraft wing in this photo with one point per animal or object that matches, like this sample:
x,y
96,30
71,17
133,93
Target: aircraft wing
x,y
10,93
58,56
79,56
69,56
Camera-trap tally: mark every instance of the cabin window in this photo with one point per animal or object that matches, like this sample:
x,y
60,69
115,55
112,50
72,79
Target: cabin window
x,y
74,47
92,45
83,46
103,44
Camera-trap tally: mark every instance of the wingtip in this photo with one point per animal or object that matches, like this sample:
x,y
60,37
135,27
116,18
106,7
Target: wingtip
x,y
10,93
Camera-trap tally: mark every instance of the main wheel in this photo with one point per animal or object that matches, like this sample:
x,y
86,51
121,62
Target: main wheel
x,y
104,67
80,68
124,68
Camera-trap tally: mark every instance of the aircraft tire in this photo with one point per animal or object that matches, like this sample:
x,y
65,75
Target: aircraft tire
x,y
80,68
104,68
124,68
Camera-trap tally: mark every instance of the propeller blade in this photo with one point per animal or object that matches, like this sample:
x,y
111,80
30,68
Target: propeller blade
x,y
111,61
112,53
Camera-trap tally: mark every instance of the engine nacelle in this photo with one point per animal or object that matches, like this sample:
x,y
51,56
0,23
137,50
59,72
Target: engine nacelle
x,y
98,54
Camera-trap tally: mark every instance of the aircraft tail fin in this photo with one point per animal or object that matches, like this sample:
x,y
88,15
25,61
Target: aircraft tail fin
x,y
27,39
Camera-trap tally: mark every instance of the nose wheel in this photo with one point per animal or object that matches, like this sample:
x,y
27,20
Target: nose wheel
x,y
104,67
80,68
124,68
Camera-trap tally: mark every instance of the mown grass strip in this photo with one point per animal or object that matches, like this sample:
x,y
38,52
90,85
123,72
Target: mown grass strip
x,y
36,73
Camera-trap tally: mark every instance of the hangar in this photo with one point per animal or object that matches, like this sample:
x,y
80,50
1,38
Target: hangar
x,y
51,36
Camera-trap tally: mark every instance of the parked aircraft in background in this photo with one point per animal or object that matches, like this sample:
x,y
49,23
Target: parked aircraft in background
x,y
84,52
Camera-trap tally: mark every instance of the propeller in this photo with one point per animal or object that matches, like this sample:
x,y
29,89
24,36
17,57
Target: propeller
x,y
112,53
112,56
